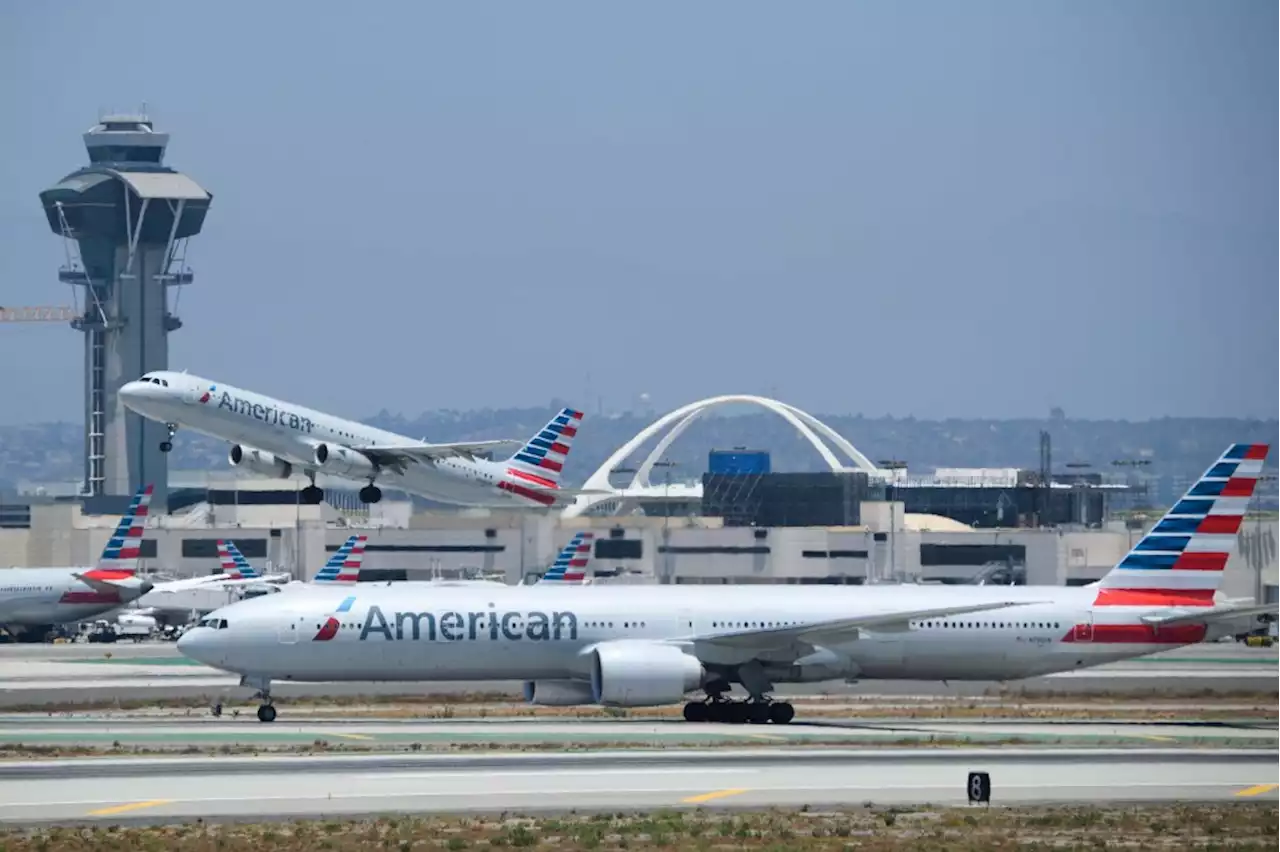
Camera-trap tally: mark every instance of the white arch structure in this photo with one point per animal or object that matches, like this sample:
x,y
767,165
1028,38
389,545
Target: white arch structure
x,y
601,490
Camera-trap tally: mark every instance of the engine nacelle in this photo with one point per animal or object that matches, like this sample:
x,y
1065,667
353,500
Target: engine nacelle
x,y
642,674
337,460
260,462
558,693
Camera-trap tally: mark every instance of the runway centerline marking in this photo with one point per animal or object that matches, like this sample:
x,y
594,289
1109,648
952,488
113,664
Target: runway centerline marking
x,y
714,794
132,806
1257,789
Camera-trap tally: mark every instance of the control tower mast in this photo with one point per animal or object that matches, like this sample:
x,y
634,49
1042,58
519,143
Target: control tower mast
x,y
125,220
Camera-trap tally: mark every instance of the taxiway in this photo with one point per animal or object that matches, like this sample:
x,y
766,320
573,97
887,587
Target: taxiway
x,y
173,789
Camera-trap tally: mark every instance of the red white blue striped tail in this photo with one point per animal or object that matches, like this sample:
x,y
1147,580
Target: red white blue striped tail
x,y
344,565
571,565
233,563
125,546
1180,562
534,472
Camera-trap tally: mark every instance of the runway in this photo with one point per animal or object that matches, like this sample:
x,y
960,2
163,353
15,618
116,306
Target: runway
x,y
170,789
170,733
36,675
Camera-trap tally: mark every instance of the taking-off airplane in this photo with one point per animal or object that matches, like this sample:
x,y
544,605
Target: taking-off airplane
x,y
637,646
274,438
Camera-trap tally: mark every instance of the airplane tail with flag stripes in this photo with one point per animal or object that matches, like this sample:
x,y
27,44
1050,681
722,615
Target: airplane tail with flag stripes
x,y
571,565
125,546
1181,561
233,563
344,565
535,469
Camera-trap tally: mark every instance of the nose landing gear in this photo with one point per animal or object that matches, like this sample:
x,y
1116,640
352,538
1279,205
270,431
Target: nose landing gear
x,y
267,711
167,444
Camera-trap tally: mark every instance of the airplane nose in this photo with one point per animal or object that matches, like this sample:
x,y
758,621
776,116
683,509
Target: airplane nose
x,y
195,643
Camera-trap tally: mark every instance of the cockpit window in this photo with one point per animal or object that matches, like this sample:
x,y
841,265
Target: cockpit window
x,y
213,623
155,381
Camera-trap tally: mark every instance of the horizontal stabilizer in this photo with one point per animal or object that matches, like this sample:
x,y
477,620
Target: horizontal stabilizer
x,y
112,585
1174,618
845,629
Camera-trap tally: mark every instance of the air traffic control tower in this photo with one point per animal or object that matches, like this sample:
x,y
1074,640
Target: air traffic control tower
x,y
125,220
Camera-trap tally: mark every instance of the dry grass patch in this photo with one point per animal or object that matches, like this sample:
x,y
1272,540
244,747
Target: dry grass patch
x,y
1233,826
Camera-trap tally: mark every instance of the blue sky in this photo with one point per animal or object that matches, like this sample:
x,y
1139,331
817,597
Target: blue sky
x,y
918,208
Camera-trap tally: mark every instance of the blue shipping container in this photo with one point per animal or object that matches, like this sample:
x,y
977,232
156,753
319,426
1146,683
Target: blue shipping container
x,y
738,462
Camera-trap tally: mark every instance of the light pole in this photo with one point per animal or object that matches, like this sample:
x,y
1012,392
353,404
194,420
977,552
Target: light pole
x,y
894,465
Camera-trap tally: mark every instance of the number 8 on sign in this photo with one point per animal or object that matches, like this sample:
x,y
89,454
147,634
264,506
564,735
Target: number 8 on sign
x,y
979,787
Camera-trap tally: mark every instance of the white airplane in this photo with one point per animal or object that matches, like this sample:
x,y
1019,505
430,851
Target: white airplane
x,y
43,597
637,646
274,438
342,568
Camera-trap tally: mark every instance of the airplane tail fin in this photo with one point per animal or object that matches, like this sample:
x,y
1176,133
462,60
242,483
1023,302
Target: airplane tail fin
x,y
125,546
536,467
344,565
1182,560
571,565
233,563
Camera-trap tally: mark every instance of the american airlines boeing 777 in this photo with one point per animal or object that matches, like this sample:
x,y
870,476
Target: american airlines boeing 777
x,y
636,646
274,438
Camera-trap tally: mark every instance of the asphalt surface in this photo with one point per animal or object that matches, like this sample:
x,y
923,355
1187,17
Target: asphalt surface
x,y
175,733
63,674
176,789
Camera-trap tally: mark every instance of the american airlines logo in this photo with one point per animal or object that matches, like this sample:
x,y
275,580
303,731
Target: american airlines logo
x,y
530,626
266,413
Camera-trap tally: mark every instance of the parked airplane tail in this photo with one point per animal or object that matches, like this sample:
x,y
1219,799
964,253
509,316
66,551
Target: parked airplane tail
x,y
536,467
571,565
233,563
125,546
1181,561
344,565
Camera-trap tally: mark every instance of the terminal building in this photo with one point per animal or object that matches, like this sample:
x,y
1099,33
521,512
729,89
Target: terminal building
x,y
740,522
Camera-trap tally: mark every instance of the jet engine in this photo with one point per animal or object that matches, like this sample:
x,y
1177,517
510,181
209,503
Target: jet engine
x,y
642,674
558,693
337,460
260,462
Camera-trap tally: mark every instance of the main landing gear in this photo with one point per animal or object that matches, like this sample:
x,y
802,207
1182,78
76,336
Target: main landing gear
x,y
167,444
739,712
370,493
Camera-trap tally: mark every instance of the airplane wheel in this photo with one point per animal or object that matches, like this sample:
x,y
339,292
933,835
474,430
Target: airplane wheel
x,y
166,446
696,711
758,714
781,713
737,713
266,713
370,494
312,495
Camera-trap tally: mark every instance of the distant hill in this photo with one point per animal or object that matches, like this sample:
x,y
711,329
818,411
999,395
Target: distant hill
x,y
1179,448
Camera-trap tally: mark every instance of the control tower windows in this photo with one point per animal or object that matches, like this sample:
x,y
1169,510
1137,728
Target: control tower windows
x,y
126,154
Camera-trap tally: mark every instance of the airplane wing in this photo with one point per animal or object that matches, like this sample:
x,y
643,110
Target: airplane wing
x,y
842,629
170,586
1208,615
390,455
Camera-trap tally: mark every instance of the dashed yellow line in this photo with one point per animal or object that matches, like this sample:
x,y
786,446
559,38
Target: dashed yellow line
x,y
132,806
1257,789
716,794
352,736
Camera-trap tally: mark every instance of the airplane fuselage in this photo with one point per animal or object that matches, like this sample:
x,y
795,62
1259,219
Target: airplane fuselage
x,y
39,596
292,433
396,632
